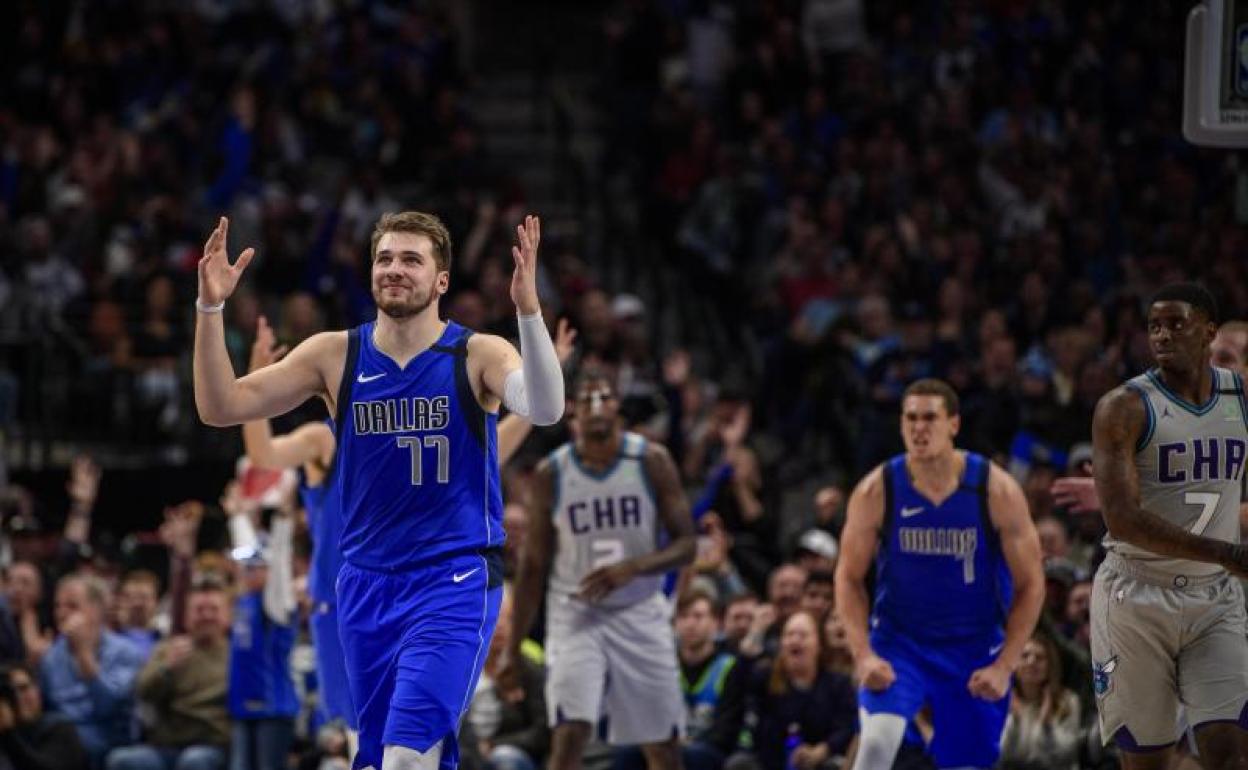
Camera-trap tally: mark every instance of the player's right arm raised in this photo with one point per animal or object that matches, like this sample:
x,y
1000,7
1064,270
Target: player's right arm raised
x,y
1116,427
220,397
864,515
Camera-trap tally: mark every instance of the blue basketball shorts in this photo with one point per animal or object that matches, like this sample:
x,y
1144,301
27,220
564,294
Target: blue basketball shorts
x,y
966,731
414,643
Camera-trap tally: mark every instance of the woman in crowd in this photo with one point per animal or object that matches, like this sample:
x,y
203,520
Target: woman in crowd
x,y
803,713
1044,729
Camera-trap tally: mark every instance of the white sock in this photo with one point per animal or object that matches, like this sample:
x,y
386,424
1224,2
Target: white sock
x,y
403,758
879,740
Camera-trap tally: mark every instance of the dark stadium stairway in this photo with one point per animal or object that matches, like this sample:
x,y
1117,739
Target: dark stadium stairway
x,y
538,71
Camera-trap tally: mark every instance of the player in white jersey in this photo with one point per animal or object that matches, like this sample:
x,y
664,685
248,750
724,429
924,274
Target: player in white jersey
x,y
1168,622
598,505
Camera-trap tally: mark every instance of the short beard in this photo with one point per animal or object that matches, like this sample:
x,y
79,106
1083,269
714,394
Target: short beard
x,y
401,309
596,434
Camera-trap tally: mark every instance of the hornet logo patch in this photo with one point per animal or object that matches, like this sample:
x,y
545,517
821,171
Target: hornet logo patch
x,y
1102,684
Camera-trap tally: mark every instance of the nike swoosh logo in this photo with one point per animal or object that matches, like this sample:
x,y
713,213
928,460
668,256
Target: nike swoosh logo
x,y
996,648
908,512
463,576
362,379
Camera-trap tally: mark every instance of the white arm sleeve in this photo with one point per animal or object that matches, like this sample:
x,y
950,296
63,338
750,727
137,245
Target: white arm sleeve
x,y
535,390
242,533
279,589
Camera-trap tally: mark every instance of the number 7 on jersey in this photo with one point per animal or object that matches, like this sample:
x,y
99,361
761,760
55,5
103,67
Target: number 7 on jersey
x,y
414,445
1209,505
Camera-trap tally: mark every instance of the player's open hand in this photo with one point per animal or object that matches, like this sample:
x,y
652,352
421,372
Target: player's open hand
x,y
84,482
989,683
217,277
875,673
265,350
1076,493
604,580
524,278
565,341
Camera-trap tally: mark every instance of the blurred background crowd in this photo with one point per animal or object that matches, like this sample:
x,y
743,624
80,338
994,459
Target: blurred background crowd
x,y
765,216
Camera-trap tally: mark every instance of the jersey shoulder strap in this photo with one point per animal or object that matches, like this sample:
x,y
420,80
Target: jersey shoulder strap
x,y
342,403
633,447
457,348
558,459
888,478
978,471
1226,382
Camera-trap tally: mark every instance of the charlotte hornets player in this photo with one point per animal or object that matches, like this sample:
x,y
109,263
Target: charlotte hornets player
x,y
597,508
1168,622
951,534
415,403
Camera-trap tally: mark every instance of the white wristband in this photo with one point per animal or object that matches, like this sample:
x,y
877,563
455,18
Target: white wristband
x,y
201,307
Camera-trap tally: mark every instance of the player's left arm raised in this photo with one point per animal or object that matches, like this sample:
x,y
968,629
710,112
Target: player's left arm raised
x,y
514,429
1020,545
530,383
673,508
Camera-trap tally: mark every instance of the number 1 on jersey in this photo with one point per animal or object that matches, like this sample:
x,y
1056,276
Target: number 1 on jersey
x,y
1209,502
414,445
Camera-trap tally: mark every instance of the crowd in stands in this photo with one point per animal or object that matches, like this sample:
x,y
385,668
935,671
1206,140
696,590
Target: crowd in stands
x,y
862,193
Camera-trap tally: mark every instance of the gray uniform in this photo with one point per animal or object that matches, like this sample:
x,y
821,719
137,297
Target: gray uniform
x,y
1169,632
617,656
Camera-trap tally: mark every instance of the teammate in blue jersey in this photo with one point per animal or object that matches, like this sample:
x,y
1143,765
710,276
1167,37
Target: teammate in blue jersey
x,y
950,534
415,402
310,448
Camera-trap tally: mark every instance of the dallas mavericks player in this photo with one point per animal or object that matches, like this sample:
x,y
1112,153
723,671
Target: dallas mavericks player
x,y
310,448
415,404
953,533
598,505
1168,622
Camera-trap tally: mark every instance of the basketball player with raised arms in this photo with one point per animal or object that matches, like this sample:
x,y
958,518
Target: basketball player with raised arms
x,y
959,586
310,449
415,403
1168,622
599,503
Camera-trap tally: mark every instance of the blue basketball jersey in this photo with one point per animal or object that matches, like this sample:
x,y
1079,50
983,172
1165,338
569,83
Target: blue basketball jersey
x,y
940,573
417,460
260,686
322,503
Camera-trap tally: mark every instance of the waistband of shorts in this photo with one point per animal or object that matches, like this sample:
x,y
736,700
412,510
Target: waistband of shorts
x,y
1158,577
492,554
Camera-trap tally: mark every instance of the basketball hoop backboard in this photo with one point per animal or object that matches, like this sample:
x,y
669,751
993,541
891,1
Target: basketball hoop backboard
x,y
1215,74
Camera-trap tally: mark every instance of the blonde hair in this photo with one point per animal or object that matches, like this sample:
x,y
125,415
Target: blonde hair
x,y
420,223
